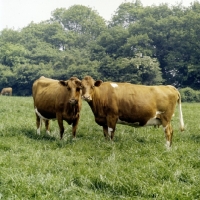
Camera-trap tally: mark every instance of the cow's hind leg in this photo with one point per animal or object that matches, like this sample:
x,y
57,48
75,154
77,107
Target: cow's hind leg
x,y
47,122
168,134
38,124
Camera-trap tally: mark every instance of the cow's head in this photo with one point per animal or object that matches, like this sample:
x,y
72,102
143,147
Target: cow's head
x,y
73,86
88,86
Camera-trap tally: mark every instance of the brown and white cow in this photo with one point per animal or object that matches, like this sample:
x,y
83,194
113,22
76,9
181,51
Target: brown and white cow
x,y
60,100
134,105
6,91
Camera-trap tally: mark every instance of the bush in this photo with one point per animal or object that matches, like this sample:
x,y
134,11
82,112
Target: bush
x,y
189,95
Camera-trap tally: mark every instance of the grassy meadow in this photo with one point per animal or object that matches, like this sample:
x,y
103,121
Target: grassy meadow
x,y
135,166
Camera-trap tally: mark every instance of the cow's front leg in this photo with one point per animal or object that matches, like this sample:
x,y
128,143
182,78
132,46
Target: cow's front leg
x,y
60,123
74,126
111,122
105,132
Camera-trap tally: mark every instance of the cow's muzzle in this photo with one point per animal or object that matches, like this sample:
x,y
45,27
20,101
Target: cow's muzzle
x,y
73,101
86,98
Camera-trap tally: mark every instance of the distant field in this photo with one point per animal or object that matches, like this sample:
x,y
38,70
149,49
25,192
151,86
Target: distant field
x,y
135,166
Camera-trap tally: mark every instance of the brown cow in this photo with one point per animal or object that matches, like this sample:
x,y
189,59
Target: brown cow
x,y
6,91
134,105
60,100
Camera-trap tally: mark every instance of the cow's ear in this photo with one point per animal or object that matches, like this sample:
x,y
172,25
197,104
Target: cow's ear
x,y
98,83
64,83
78,83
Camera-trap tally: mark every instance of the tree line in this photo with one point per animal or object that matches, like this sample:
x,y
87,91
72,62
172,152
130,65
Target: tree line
x,y
149,45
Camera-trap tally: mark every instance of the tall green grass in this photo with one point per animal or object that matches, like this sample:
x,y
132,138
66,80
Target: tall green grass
x,y
135,166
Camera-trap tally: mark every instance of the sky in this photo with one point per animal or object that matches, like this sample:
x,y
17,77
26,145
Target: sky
x,y
17,14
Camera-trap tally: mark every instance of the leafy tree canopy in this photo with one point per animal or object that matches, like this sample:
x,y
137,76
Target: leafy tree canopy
x,y
141,45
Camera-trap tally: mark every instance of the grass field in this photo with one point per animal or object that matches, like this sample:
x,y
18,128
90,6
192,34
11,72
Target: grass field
x,y
135,166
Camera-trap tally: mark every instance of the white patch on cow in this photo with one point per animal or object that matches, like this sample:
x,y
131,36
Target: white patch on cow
x,y
114,85
159,112
109,131
38,131
153,121
164,128
168,144
39,115
48,132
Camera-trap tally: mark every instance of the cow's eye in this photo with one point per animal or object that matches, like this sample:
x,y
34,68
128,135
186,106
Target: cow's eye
x,y
78,89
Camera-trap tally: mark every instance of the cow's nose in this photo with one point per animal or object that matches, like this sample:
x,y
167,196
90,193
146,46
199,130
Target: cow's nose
x,y
86,97
72,101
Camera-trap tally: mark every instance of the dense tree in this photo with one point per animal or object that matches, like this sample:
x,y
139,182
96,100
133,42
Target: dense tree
x,y
25,75
138,70
7,77
12,54
113,40
141,45
85,23
127,13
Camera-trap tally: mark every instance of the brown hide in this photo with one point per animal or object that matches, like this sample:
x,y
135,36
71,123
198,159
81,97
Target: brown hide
x,y
6,91
59,100
135,105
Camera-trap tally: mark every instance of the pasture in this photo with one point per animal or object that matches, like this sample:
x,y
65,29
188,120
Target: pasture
x,y
135,166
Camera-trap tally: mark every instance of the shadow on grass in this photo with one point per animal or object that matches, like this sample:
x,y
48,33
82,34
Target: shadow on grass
x,y
30,133
195,138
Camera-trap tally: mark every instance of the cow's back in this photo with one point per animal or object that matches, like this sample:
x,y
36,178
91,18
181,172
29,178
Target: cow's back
x,y
160,96
44,88
45,94
7,90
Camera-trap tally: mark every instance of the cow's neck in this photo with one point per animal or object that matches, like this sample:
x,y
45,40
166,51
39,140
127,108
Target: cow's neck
x,y
71,110
95,103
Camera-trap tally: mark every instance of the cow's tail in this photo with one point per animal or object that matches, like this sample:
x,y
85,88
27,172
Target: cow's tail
x,y
180,113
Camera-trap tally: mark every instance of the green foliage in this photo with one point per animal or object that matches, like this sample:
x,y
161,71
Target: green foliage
x,y
127,13
83,70
138,70
7,77
141,45
80,19
135,166
12,54
84,22
26,75
189,95
113,40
